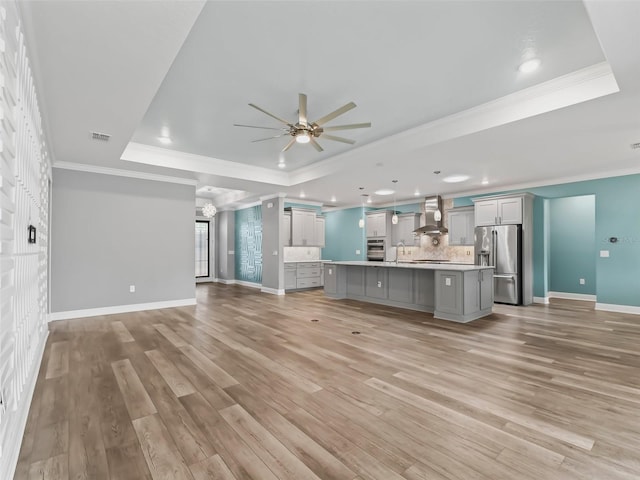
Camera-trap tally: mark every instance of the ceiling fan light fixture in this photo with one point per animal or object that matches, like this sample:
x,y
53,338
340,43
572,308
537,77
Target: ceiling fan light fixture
x,y
530,65
303,137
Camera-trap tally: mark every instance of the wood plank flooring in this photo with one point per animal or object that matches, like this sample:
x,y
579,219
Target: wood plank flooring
x,y
254,386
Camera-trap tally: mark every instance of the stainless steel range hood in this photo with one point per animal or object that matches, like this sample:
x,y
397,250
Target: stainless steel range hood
x,y
432,226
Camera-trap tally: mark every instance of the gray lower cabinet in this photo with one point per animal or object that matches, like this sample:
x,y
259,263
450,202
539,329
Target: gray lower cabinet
x,y
302,275
458,295
463,296
290,276
486,289
376,282
330,280
423,288
449,298
400,285
355,281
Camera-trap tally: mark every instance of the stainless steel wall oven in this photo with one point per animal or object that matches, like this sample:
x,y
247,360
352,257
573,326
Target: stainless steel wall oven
x,y
375,249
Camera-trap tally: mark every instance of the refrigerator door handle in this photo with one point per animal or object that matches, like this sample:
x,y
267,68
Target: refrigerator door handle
x,y
494,236
503,276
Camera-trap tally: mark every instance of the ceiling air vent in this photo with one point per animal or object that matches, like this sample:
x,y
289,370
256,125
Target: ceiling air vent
x,y
103,137
635,145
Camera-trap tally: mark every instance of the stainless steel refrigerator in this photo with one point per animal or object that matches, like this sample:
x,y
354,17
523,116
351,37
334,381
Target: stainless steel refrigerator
x,y
501,246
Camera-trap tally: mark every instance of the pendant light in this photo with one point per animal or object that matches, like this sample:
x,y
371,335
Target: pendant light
x,y
209,210
394,217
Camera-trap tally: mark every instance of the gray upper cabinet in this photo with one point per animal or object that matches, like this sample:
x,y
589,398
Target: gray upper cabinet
x,y
303,227
499,211
320,231
286,229
403,230
378,224
461,226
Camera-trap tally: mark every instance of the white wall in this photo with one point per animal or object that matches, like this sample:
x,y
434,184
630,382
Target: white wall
x,y
111,232
24,193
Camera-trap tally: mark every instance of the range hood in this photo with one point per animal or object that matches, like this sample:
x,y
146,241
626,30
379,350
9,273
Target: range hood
x,y
431,226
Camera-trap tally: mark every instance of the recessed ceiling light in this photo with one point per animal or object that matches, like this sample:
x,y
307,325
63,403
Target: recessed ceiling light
x,y
333,199
302,195
369,200
485,182
417,193
164,140
282,165
455,178
384,191
529,65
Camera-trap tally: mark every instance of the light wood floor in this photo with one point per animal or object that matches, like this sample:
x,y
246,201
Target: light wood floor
x,y
254,386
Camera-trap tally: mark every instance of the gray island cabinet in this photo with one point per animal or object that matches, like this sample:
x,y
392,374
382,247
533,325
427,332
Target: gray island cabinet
x,y
460,293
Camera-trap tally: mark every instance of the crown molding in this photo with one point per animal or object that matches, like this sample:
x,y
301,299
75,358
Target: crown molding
x,y
164,157
82,167
544,183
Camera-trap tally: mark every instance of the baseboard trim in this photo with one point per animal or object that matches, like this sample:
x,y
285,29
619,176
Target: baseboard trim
x,y
572,296
135,307
225,281
8,469
543,300
611,307
248,284
273,291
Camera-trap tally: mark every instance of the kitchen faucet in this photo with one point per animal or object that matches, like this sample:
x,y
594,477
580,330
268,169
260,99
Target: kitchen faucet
x,y
403,251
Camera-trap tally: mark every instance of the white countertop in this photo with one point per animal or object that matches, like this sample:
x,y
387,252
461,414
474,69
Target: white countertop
x,y
308,261
419,266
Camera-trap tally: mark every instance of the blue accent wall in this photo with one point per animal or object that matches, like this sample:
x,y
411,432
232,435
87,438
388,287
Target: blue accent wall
x,y
572,244
248,244
616,215
343,236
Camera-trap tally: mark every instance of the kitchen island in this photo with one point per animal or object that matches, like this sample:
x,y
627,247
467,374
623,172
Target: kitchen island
x,y
460,293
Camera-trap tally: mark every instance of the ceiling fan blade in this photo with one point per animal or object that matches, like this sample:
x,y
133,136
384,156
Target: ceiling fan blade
x,y
302,109
335,113
268,138
255,126
289,145
270,114
339,139
315,144
347,127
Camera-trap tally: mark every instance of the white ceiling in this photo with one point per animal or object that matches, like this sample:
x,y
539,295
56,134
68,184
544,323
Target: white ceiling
x,y
438,81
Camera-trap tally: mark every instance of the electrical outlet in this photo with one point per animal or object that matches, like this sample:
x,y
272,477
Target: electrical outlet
x,y
468,252
132,289
447,282
357,252
379,284
604,253
582,281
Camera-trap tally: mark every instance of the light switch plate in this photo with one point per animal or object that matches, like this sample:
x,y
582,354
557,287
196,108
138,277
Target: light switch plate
x,y
357,252
447,282
604,253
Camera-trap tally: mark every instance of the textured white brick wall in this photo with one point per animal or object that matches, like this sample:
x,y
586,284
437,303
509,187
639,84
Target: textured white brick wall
x,y
24,197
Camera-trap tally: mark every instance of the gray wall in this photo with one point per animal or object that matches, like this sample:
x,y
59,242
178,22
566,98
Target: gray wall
x,y
225,241
272,265
109,232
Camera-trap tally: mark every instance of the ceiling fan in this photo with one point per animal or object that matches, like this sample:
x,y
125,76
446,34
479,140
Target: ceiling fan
x,y
306,132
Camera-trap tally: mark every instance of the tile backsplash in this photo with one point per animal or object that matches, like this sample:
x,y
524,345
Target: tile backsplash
x,y
441,251
301,254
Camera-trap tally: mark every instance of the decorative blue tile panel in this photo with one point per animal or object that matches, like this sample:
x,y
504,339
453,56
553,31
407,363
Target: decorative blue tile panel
x,y
248,244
